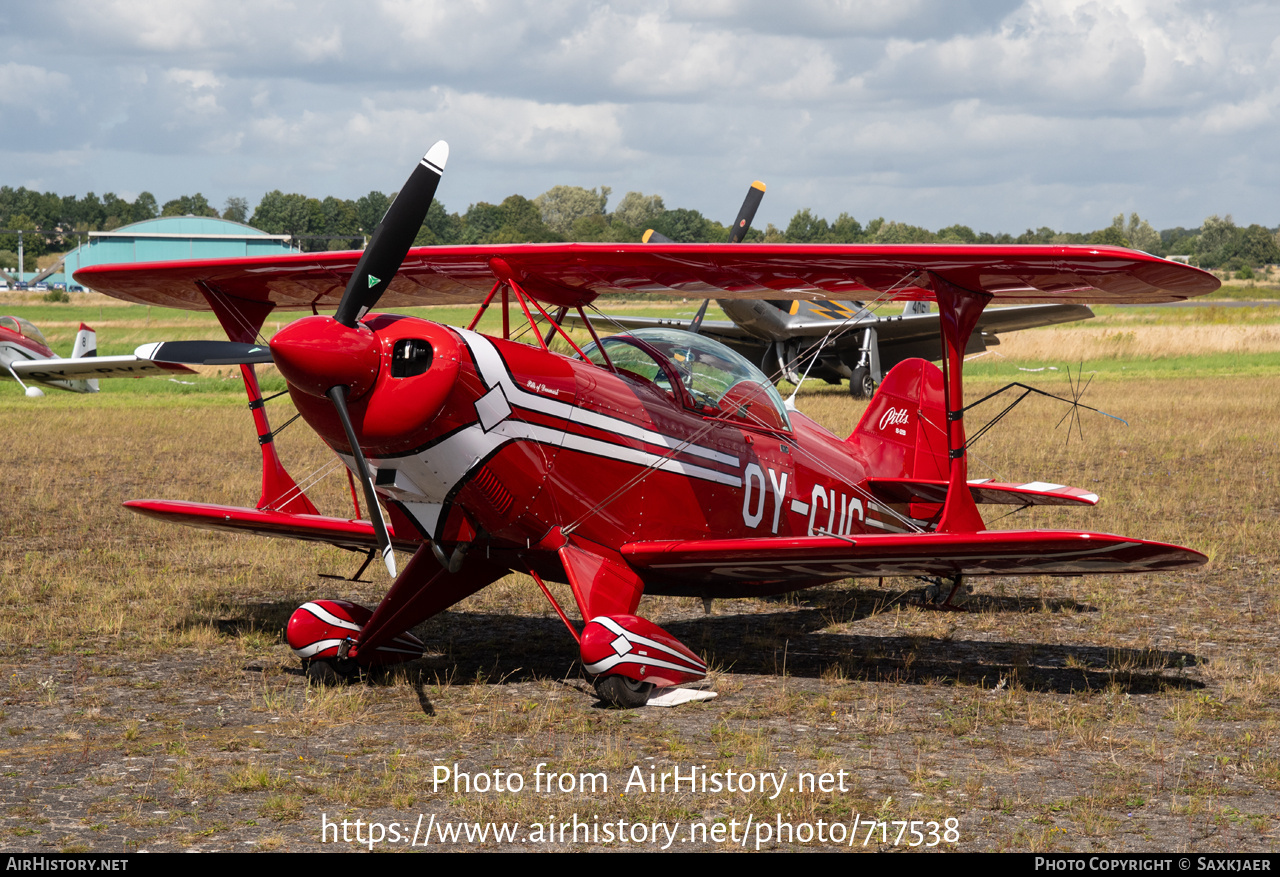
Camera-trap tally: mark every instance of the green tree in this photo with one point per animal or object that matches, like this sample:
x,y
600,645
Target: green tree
x,y
902,233
845,230
144,208
237,209
561,206
805,228
1042,236
594,227
188,205
1111,236
293,214
515,220
685,226
1139,232
957,234
33,243
637,210
370,209
440,227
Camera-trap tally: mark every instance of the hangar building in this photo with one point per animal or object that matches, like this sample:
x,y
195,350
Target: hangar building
x,y
174,237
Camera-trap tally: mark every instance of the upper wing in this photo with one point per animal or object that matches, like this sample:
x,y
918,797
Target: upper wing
x,y
991,552
577,273
94,367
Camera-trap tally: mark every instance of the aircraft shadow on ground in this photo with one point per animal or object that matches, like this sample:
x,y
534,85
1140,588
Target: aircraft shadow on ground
x,y
486,648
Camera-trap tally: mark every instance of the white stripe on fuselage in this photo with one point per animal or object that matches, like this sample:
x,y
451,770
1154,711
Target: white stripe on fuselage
x,y
494,371
429,476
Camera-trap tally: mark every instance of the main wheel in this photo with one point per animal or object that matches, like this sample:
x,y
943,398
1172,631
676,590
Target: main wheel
x,y
331,671
623,692
322,672
861,384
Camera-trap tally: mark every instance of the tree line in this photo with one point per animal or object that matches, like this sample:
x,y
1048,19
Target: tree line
x,y
572,213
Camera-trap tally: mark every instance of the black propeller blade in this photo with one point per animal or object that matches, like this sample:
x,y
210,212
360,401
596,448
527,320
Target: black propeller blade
x,y
338,396
204,352
740,226
748,212
374,272
393,237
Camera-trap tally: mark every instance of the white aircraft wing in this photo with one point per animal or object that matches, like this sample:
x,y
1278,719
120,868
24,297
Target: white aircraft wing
x,y
94,367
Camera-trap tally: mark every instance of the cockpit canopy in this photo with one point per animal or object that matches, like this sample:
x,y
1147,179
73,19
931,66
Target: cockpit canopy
x,y
699,373
23,328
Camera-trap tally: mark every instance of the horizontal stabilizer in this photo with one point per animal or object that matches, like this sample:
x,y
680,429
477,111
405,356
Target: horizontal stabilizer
x,y
95,367
990,552
984,490
344,533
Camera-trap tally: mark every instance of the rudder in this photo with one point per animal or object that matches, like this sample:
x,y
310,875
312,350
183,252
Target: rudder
x,y
903,432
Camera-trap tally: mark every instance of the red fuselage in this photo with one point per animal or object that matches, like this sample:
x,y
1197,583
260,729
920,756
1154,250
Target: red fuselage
x,y
509,441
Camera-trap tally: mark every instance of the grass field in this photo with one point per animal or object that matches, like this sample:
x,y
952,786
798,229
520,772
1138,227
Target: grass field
x,y
150,703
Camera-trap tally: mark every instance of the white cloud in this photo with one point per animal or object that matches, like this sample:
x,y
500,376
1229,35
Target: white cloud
x,y
29,87
996,113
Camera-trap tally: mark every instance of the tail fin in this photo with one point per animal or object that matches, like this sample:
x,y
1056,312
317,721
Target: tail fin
x,y
903,433
86,345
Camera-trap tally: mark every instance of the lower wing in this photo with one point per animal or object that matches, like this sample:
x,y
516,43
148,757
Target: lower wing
x,y
342,532
719,563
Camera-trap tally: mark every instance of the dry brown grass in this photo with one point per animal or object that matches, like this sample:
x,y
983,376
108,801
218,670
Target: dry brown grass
x,y
147,692
1150,342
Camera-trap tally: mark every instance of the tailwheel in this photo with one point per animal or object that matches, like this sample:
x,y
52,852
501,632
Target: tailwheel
x,y
622,692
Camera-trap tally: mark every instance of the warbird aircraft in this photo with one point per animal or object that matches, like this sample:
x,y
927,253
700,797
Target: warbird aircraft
x,y
831,339
652,462
25,354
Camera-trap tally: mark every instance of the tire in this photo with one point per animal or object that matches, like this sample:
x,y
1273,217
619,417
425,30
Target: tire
x,y
861,384
622,692
321,672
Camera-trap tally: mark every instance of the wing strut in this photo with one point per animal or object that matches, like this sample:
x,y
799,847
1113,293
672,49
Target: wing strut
x,y
958,310
242,320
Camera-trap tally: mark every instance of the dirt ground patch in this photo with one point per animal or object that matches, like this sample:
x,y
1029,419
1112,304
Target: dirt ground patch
x,y
149,702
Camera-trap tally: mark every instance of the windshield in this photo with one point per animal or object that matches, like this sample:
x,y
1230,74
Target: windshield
x,y
23,328
716,380
30,331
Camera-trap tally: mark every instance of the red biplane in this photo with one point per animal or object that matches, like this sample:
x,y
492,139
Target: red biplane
x,y
654,461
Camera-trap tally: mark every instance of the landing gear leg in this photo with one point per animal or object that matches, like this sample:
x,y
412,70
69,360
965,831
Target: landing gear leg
x,y
956,594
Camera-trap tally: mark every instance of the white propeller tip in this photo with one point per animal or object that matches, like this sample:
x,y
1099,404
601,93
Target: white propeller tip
x,y
438,155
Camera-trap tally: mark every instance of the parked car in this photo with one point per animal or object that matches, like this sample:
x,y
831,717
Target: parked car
x,y
21,286
75,287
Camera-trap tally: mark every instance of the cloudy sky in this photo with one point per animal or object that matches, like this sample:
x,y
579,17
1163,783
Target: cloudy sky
x,y
998,114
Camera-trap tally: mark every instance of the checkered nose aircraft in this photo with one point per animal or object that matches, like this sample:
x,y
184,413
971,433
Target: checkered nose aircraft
x,y
25,354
